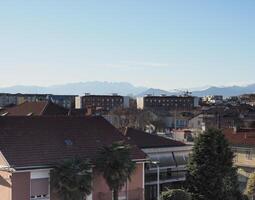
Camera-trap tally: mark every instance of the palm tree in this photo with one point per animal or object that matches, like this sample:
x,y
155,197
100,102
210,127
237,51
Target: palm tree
x,y
116,165
71,179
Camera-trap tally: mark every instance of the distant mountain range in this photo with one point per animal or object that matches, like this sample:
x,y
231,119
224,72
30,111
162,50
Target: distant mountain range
x,y
93,87
122,88
225,91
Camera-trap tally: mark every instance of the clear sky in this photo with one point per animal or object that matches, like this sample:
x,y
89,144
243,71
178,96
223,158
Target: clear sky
x,y
156,43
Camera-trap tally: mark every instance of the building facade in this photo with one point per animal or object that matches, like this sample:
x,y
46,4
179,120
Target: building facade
x,y
167,157
213,99
242,143
31,146
7,99
105,102
171,103
66,101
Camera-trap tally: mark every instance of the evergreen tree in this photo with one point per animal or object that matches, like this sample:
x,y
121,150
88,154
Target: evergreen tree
x,y
250,188
211,175
231,186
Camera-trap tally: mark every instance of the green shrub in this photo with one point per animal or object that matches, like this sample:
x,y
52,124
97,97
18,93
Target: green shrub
x,y
175,194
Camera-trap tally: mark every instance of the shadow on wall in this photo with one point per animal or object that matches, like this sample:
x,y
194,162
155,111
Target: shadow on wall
x,y
3,182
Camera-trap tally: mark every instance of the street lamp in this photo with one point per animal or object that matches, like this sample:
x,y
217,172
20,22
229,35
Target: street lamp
x,y
158,175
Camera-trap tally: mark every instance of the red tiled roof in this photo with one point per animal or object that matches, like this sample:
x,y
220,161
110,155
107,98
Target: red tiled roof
x,y
242,137
36,141
147,140
35,109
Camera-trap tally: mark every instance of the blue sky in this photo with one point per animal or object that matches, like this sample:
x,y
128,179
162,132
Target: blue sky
x,y
156,43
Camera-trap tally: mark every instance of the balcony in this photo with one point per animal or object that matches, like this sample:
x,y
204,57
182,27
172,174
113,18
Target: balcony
x,y
166,176
137,194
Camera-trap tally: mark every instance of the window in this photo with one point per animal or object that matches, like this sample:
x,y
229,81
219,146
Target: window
x,y
40,185
40,188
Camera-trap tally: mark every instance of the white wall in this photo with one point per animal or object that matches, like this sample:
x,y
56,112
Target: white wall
x,y
140,102
78,102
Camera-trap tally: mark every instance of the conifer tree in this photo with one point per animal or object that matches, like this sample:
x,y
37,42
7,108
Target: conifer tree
x,y
211,175
250,188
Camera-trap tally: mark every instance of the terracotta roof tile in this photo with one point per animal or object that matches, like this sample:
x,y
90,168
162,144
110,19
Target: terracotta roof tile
x,y
242,137
35,141
147,140
35,109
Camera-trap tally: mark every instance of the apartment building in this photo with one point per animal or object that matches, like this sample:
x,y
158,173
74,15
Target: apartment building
x,y
171,103
248,99
66,101
105,102
31,146
242,142
167,157
7,99
213,99
21,98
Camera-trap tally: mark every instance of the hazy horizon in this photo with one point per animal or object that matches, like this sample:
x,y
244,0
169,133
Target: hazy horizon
x,y
122,82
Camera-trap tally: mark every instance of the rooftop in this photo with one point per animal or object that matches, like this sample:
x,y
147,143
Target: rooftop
x,y
28,142
147,140
242,137
35,109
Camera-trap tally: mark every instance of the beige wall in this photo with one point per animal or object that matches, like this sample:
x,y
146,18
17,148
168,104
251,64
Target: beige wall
x,y
5,180
101,190
137,178
244,163
21,186
2,160
242,158
20,100
5,185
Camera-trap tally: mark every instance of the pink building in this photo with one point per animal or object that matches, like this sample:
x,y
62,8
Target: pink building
x,y
30,146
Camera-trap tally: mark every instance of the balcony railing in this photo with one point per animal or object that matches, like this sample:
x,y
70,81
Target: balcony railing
x,y
166,176
137,194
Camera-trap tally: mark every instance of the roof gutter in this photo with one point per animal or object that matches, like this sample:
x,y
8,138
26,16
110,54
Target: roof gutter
x,y
51,166
6,169
33,167
141,160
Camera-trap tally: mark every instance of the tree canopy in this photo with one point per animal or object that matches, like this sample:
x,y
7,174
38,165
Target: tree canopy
x,y
71,179
250,188
211,175
175,194
116,165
